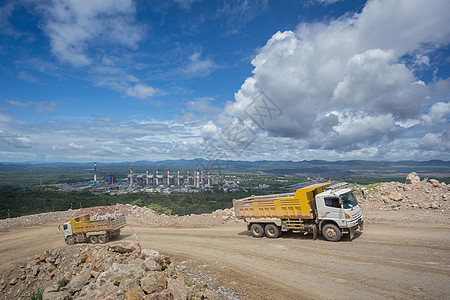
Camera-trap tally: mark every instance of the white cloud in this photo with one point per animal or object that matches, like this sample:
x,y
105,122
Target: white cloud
x,y
74,146
436,141
421,60
141,91
75,26
402,25
198,66
16,140
438,113
345,85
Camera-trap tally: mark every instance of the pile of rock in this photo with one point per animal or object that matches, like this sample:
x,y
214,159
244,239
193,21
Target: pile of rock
x,y
106,216
413,194
35,219
140,215
146,216
113,271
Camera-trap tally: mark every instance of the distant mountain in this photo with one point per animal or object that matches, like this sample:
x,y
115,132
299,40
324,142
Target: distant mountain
x,y
310,168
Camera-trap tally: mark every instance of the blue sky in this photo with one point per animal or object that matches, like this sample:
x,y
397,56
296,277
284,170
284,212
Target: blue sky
x,y
245,80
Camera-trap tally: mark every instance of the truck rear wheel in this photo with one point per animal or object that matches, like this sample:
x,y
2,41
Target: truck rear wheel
x,y
257,230
272,231
102,239
331,232
93,239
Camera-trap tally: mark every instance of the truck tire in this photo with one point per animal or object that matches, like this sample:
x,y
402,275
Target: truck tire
x,y
331,232
70,240
93,239
257,230
102,239
272,231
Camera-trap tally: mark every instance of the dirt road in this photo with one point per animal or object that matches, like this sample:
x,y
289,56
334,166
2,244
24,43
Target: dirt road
x,y
400,262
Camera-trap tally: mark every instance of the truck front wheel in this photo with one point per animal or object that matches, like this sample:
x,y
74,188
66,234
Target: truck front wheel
x,y
257,230
70,240
272,231
331,232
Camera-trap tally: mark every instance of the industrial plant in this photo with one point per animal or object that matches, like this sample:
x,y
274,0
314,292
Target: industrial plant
x,y
155,180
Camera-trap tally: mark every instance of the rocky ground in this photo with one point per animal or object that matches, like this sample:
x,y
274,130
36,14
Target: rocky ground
x,y
414,194
118,270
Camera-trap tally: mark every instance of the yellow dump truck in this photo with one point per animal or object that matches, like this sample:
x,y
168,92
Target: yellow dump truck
x,y
97,229
311,209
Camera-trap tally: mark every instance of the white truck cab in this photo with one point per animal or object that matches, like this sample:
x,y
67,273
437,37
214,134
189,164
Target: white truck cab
x,y
67,229
338,210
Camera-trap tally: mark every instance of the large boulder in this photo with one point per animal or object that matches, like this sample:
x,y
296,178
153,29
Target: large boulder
x,y
79,281
412,178
154,282
434,182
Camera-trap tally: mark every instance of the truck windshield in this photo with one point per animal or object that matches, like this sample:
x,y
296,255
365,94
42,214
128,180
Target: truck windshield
x,y
349,200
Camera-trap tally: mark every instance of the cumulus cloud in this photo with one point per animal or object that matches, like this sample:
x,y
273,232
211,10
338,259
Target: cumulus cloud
x,y
75,26
345,84
438,113
436,141
141,91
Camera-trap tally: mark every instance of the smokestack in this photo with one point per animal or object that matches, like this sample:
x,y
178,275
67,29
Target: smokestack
x,y
201,176
178,178
198,178
156,176
95,173
131,176
146,177
168,177
187,179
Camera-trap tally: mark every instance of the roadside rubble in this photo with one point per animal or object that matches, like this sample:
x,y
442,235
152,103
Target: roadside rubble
x,y
413,194
117,270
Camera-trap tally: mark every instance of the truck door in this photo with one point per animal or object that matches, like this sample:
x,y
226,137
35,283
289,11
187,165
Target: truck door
x,y
67,229
333,210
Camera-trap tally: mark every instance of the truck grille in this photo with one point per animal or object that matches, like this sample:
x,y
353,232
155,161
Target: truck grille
x,y
356,217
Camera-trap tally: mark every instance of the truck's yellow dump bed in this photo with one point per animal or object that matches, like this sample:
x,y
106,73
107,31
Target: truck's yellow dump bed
x,y
83,224
286,206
